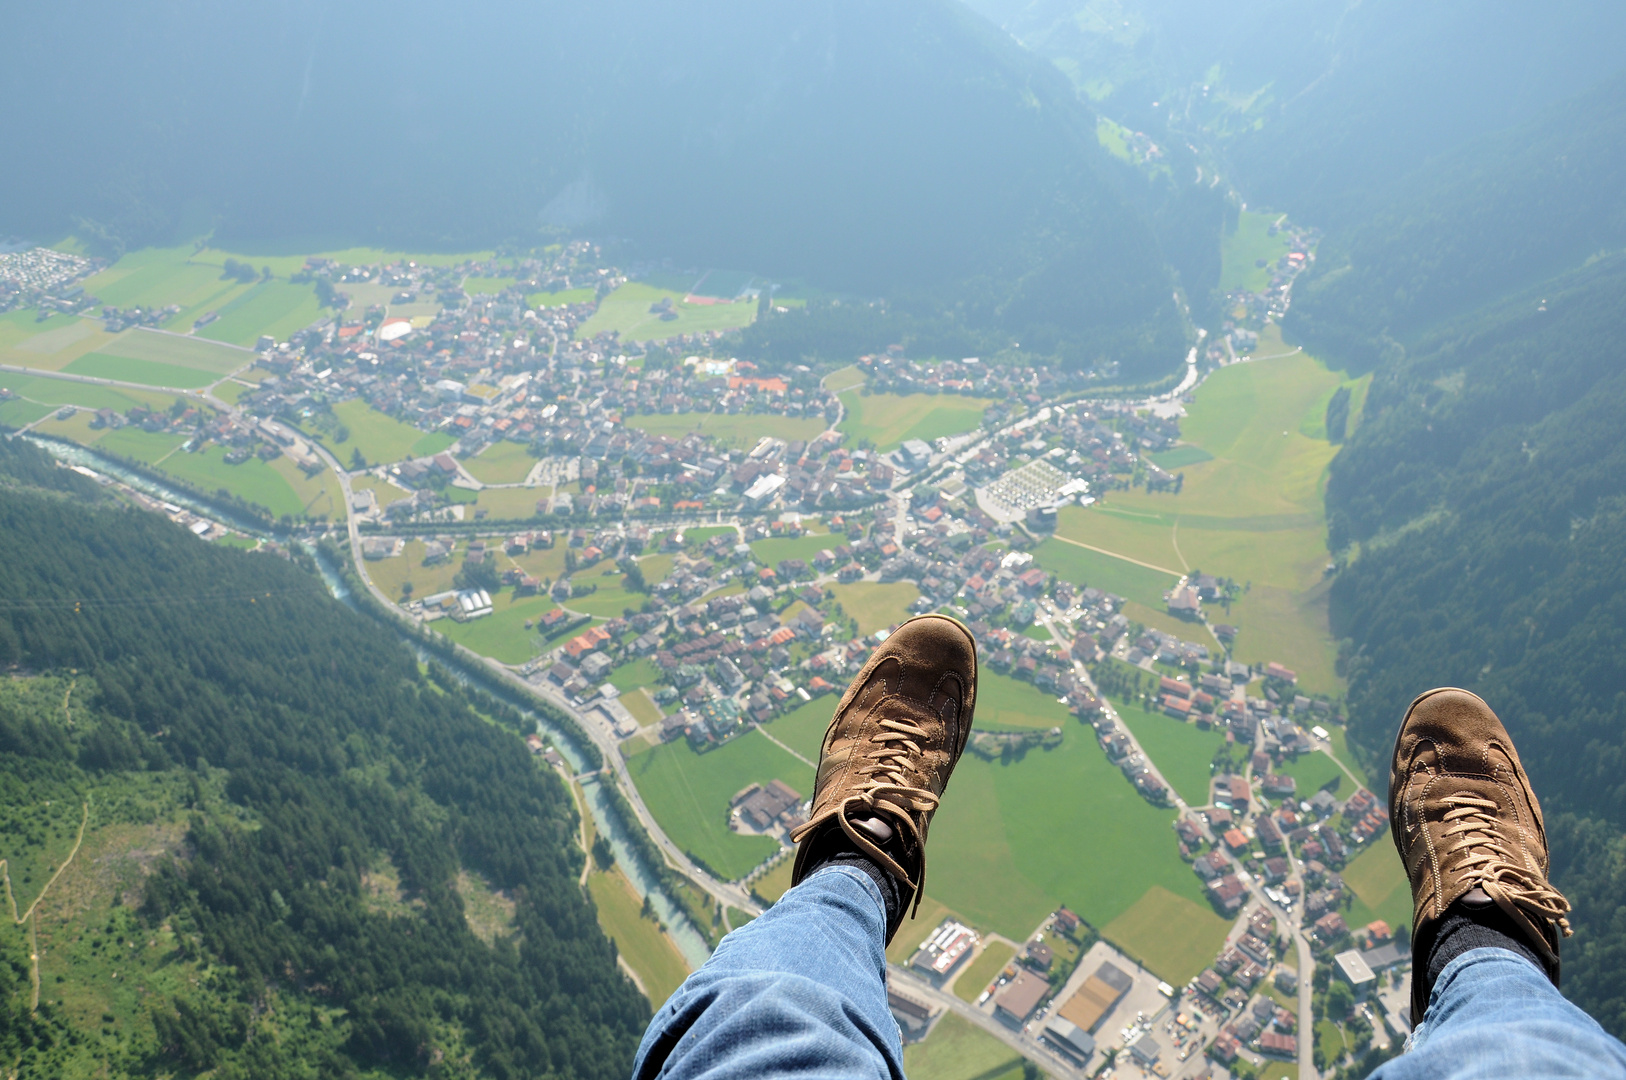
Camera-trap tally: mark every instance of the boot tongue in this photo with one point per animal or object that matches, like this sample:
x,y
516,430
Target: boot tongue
x,y
1477,898
876,828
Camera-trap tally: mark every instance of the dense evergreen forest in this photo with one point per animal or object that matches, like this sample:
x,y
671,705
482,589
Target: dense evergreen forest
x,y
340,868
1479,506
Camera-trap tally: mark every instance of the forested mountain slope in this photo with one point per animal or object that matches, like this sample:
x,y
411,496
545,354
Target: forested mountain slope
x,y
1499,215
300,857
1313,103
901,149
1484,497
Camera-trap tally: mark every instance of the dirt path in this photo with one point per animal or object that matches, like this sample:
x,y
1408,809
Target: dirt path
x,y
27,916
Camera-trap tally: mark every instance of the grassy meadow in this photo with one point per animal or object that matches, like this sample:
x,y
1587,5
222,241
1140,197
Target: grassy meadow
x,y
1252,512
740,431
638,938
971,981
888,420
381,438
876,605
626,311
957,1050
502,462
1180,750
688,793
1241,249
1173,936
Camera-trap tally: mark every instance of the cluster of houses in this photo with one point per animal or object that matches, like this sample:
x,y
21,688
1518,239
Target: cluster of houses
x,y
47,279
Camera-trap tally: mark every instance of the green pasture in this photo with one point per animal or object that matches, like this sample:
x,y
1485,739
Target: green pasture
x,y
1252,513
1007,704
150,447
1174,936
54,392
277,308
254,480
1111,137
971,982
1180,456
561,298
1013,841
769,552
1082,566
380,437
776,882
688,793
634,675
486,286
887,420
18,413
802,729
957,1050
876,606
740,431
391,574
1180,750
1243,247
49,345
1378,880
1313,771
1341,750
611,599
502,462
149,372
510,503
626,312
500,635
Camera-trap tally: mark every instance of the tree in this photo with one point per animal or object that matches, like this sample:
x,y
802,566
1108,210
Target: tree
x,y
357,462
1340,1000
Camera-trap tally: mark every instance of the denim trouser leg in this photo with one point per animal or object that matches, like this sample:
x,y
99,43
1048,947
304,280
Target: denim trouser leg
x,y
799,992
1493,1013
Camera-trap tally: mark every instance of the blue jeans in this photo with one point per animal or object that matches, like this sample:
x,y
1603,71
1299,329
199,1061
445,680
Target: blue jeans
x,y
802,992
1494,1013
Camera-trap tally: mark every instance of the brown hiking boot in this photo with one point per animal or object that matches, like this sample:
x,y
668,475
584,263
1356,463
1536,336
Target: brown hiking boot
x,y
1466,823
889,750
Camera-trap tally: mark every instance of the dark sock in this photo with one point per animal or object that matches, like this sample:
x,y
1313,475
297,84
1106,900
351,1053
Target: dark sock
x,y
1468,926
834,848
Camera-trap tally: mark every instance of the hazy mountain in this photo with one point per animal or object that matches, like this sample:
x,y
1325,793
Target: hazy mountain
x,y
896,148
1311,103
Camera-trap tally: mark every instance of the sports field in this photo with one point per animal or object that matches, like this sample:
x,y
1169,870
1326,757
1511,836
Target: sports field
x,y
740,431
502,462
650,953
1252,513
1240,250
956,1050
626,311
875,605
1180,750
889,419
688,793
1174,936
381,438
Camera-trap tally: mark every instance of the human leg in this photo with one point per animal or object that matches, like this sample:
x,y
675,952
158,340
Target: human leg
x,y
1494,1013
801,991
1487,924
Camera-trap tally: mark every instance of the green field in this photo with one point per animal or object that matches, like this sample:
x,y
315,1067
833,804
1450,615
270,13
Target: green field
x,y
511,503
146,446
390,574
561,298
1381,890
1314,770
259,482
381,438
18,413
1253,513
639,940
1012,842
626,311
634,675
1082,566
955,1050
125,369
486,286
980,972
776,882
1181,751
1181,456
889,419
740,431
802,729
769,552
501,463
1006,704
876,606
1251,241
1173,936
278,308
500,635
688,793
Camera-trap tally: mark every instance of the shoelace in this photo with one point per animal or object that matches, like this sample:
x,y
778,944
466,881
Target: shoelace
x,y
883,774
1488,862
